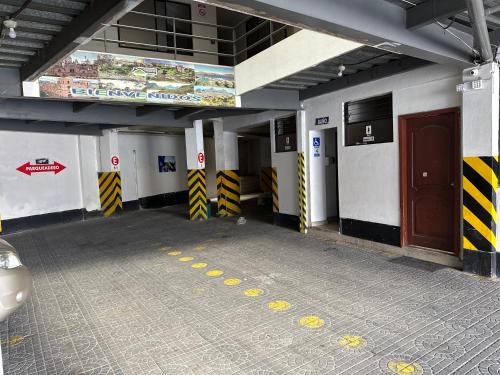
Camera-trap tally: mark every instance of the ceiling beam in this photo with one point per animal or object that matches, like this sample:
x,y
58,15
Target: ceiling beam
x,y
429,11
187,112
147,109
81,28
48,127
377,23
62,111
80,106
218,113
377,72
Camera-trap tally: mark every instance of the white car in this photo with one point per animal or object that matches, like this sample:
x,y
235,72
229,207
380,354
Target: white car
x,y
15,281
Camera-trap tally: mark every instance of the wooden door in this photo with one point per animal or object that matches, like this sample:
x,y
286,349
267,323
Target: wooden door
x,y
430,179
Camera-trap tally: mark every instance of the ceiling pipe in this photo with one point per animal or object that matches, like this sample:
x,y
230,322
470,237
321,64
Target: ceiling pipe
x,y
477,18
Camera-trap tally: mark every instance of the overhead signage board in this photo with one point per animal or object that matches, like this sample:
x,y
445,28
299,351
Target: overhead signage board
x,y
322,120
41,166
112,77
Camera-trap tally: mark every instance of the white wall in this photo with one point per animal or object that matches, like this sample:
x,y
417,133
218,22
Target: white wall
x,y
369,174
22,195
140,174
198,44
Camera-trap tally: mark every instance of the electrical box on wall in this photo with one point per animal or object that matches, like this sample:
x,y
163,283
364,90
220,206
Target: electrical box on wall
x,y
285,133
368,121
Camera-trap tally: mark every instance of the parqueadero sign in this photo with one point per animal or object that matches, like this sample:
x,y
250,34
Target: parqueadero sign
x,y
28,168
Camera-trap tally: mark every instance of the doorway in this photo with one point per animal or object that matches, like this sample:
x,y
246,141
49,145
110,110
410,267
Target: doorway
x,y
430,179
331,176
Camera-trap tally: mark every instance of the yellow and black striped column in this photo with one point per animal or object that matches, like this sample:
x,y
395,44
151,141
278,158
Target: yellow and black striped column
x,y
197,185
110,192
266,176
302,193
228,193
480,183
276,201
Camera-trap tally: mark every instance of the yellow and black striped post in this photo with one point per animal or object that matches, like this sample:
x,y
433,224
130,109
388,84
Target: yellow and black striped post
x,y
110,192
228,193
276,201
197,185
302,192
480,183
266,179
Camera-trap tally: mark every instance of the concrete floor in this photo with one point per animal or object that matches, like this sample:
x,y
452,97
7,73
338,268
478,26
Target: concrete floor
x,y
111,298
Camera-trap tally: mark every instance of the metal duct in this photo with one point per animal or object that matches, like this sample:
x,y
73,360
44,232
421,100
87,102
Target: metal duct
x,y
477,18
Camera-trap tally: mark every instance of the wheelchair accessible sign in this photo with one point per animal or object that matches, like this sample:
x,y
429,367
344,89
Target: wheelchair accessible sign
x,y
316,146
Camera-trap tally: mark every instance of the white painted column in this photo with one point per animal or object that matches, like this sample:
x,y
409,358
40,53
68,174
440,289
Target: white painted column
x,y
227,166
197,183
195,153
89,166
303,171
480,127
108,151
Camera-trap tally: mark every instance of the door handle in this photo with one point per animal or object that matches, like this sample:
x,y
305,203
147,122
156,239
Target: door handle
x,y
452,184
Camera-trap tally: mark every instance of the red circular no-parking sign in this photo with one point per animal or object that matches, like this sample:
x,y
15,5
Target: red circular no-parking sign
x,y
115,160
201,158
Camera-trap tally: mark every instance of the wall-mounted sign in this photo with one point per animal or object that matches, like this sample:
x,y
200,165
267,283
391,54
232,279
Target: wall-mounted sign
x,y
167,164
322,120
285,134
201,158
112,77
43,167
316,146
115,160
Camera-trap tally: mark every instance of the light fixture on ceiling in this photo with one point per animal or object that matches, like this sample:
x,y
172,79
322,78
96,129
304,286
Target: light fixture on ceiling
x,y
341,69
11,25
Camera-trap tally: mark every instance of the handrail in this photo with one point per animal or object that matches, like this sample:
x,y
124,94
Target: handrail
x,y
236,51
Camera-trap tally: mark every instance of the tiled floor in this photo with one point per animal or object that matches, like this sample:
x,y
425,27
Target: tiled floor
x,y
109,299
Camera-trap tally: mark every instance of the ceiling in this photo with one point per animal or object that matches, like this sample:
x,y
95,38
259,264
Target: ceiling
x,y
38,21
354,61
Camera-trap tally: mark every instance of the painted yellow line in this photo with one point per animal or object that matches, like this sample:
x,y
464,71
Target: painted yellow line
x,y
199,265
480,198
402,367
215,273
185,259
200,248
279,305
165,248
311,321
174,253
352,342
480,227
253,292
231,282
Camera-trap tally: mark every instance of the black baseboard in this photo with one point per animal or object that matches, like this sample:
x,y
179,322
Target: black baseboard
x,y
131,205
163,200
383,233
38,221
288,221
482,263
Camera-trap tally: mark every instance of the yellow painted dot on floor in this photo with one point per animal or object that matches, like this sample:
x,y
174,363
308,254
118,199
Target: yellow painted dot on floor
x,y
165,248
186,259
215,273
232,282
279,305
174,253
352,342
200,248
311,321
253,292
13,341
402,368
199,265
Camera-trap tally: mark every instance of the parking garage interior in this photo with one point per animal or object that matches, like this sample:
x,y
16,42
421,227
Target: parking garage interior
x,y
249,187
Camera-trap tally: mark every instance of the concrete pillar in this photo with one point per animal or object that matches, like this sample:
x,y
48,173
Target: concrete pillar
x,y
302,170
197,183
109,177
228,174
480,126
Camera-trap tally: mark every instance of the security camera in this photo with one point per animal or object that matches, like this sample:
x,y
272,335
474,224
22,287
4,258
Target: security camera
x,y
474,72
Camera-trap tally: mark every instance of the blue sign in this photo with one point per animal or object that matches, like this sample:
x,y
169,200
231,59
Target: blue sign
x,y
316,142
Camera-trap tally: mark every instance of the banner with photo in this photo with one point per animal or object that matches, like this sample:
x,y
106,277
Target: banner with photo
x,y
109,77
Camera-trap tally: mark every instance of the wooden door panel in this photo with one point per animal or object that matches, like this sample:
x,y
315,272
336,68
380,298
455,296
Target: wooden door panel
x,y
431,161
